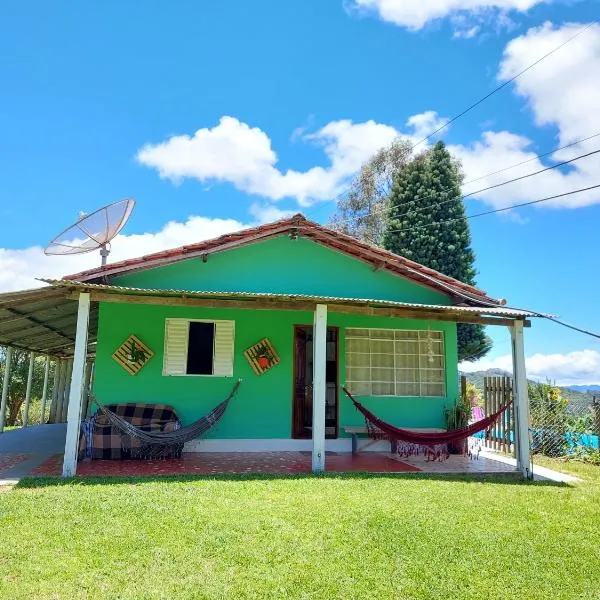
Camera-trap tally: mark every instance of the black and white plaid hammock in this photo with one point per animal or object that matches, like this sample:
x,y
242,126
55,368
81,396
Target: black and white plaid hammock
x,y
170,438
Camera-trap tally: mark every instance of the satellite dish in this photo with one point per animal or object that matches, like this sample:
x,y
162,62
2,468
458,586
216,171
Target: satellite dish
x,y
93,231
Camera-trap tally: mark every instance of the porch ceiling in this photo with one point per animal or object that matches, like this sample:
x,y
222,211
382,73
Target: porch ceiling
x,y
42,320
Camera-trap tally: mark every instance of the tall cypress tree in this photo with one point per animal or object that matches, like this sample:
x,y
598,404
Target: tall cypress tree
x,y
425,199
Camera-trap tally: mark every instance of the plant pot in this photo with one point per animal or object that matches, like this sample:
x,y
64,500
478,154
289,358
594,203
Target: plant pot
x,y
459,447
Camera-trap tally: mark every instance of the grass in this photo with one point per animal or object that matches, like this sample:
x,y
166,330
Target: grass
x,y
344,536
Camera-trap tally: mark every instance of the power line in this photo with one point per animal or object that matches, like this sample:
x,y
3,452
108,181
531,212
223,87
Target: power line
x,y
579,329
536,157
497,210
503,85
436,204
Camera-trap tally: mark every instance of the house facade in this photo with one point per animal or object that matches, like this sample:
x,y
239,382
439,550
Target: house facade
x,y
206,313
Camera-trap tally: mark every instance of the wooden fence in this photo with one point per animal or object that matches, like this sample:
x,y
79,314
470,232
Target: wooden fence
x,y
497,391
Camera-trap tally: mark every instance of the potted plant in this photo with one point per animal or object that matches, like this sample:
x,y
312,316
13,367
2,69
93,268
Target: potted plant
x,y
457,416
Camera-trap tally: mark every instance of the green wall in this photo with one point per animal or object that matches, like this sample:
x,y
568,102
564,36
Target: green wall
x,y
282,265
263,407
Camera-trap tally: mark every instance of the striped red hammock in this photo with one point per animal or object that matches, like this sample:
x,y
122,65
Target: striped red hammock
x,y
420,438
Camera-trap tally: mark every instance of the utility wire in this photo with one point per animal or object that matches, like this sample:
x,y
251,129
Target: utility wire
x,y
560,164
497,210
536,157
392,214
503,85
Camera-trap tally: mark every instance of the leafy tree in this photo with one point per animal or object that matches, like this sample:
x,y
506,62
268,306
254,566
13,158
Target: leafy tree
x,y
362,210
18,385
426,224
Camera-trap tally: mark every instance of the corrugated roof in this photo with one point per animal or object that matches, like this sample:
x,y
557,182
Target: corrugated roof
x,y
500,311
42,320
297,225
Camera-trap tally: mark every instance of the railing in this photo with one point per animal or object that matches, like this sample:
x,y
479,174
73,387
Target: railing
x,y
497,391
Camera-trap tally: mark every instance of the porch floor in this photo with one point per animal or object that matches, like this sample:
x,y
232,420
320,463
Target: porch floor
x,y
36,451
212,463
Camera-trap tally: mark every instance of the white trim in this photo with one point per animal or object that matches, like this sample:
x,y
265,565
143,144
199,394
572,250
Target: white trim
x,y
287,444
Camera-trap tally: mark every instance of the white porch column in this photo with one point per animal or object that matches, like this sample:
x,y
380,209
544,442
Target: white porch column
x,y
77,385
521,401
5,386
28,389
44,390
319,387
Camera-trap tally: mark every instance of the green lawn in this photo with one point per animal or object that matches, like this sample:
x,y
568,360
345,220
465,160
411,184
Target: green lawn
x,y
301,537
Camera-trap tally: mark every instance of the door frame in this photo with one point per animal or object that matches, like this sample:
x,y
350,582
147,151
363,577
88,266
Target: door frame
x,y
337,382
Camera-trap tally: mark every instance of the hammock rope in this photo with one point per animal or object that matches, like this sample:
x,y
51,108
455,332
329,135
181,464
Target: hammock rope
x,y
420,438
170,438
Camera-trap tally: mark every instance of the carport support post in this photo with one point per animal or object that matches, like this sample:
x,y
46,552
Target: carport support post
x,y
53,416
319,387
77,386
44,390
66,388
28,389
521,401
5,386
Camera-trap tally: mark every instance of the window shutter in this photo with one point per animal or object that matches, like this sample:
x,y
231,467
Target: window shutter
x,y
223,356
176,343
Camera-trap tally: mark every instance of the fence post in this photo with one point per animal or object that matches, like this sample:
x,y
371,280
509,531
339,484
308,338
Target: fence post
x,y
596,409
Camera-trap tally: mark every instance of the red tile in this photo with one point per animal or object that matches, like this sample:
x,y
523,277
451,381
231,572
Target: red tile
x,y
213,463
8,461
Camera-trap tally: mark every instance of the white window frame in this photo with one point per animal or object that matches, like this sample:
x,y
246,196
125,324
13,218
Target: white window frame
x,y
422,335
175,351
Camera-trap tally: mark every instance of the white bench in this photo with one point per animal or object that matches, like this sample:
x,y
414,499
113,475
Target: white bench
x,y
356,431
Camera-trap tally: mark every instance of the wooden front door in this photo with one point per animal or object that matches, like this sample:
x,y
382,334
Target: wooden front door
x,y
303,378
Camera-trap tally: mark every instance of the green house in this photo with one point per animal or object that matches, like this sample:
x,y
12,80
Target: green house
x,y
295,311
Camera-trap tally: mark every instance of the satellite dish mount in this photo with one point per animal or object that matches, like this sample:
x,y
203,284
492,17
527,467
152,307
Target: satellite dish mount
x,y
93,232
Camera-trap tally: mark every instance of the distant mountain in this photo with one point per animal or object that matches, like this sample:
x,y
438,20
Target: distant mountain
x,y
579,399
585,388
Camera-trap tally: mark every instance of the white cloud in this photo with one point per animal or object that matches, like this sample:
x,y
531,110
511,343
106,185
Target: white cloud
x,y
233,152
579,367
416,14
264,212
19,268
236,153
425,123
562,91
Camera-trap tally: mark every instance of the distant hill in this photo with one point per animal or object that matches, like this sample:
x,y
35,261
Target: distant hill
x,y
579,400
585,388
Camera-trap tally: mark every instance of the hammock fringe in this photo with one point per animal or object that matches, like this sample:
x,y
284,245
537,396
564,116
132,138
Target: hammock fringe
x,y
409,443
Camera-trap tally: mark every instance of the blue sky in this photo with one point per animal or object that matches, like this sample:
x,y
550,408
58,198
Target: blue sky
x,y
288,98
